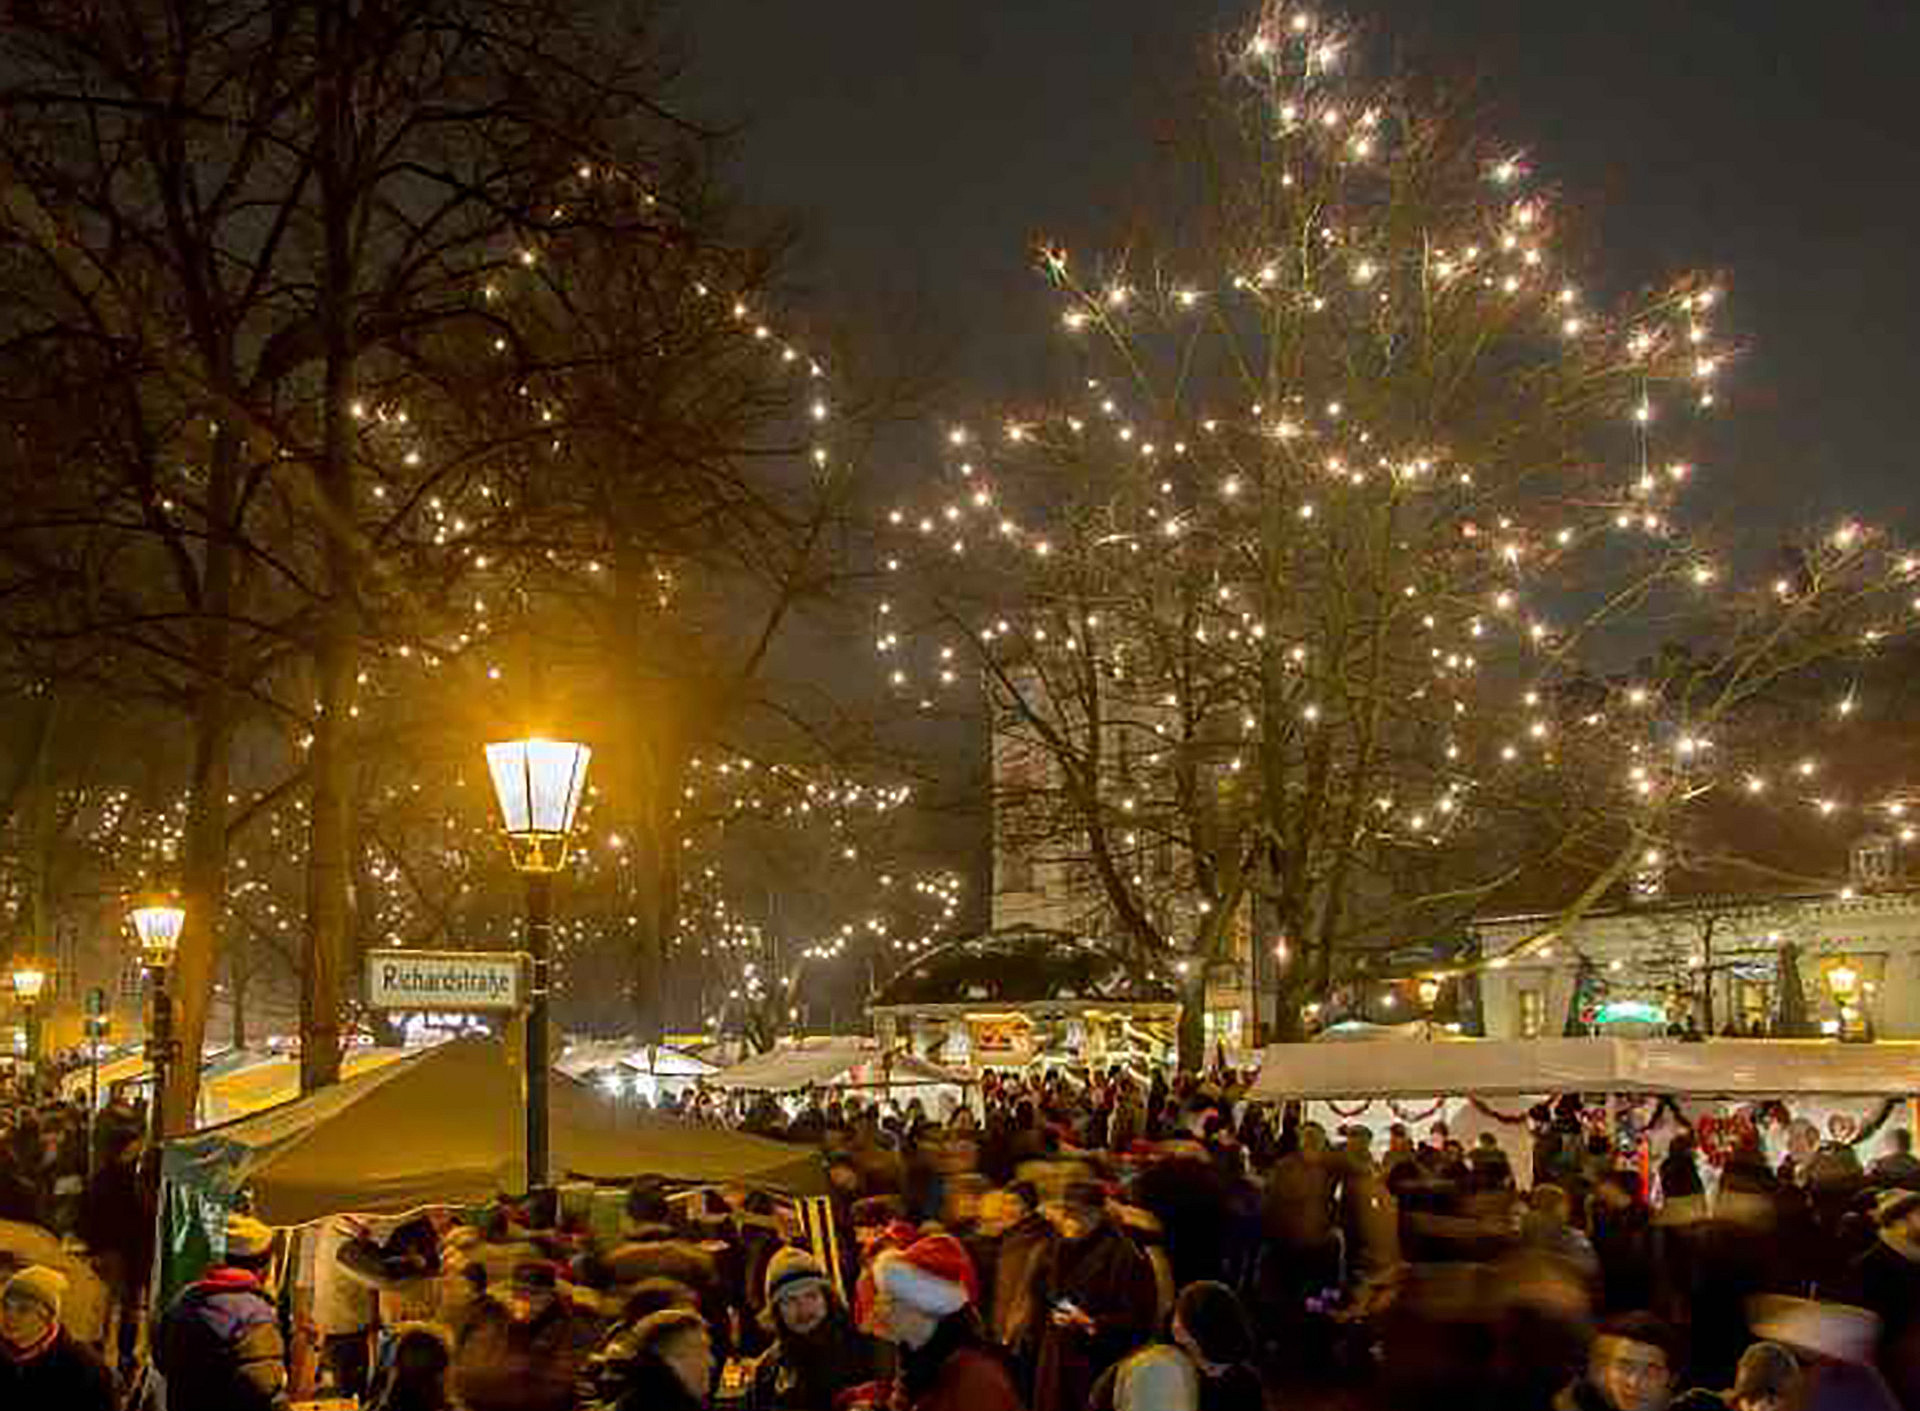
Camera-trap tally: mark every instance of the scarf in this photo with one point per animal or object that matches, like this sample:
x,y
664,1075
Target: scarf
x,y
920,1367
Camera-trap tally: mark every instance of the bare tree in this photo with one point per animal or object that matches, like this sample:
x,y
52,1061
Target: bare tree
x,y
1304,613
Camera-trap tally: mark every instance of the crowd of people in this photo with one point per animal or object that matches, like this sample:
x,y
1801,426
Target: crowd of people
x,y
1074,1242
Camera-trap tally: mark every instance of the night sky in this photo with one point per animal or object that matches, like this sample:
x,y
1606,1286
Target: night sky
x,y
925,144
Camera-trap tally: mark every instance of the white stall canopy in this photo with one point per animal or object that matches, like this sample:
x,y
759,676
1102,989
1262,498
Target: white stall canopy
x,y
1748,1068
833,1063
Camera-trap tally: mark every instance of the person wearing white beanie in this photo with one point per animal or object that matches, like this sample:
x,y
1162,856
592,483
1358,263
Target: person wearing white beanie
x,y
40,1362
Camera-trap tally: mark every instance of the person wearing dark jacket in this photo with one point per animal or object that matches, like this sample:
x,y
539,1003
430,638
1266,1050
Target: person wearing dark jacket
x,y
1097,1300
662,1363
523,1352
1025,1245
416,1379
219,1344
118,1231
924,1303
818,1355
40,1363
1192,1198
1886,1279
1212,1328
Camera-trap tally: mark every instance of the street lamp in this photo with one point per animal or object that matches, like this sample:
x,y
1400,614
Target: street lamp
x,y
28,981
157,922
1429,992
1843,983
538,784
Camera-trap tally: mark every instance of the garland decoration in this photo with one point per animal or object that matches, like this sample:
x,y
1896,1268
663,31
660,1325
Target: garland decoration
x,y
1398,1110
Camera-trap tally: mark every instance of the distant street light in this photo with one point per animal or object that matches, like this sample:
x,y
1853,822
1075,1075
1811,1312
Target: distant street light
x,y
538,784
1843,983
28,981
1429,992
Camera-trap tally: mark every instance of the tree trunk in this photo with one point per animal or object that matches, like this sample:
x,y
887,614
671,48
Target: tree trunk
x,y
204,867
329,866
203,896
1193,1026
649,769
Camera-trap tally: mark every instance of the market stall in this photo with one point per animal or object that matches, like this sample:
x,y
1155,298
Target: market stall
x,y
445,1126
647,1072
1780,1092
846,1065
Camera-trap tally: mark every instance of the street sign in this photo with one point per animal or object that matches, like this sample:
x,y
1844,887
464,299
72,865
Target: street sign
x,y
446,979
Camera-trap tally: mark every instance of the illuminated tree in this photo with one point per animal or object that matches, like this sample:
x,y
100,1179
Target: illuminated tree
x,y
1309,611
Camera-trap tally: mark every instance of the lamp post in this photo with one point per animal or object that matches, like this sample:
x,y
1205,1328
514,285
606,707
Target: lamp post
x,y
158,923
28,981
1843,983
538,785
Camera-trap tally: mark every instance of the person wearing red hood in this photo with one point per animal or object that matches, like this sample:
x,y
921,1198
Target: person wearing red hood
x,y
40,1363
219,1345
926,1304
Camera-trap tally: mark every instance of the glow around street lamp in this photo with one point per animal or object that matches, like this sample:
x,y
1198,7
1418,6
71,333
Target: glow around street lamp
x,y
158,925
28,981
538,784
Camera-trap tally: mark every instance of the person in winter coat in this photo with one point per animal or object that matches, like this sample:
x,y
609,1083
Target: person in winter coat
x,y
818,1356
1212,1328
924,1303
1766,1380
219,1344
1097,1298
416,1379
118,1231
662,1363
1886,1279
1025,1243
521,1352
40,1363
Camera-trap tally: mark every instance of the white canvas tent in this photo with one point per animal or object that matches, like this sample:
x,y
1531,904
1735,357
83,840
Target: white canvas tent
x,y
654,1060
834,1063
1743,1068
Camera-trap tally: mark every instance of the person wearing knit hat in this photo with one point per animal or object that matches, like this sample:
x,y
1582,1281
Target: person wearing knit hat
x,y
793,1274
818,1355
925,1305
40,1362
219,1344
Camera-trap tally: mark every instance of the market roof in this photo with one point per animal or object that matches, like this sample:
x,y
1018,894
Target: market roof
x,y
832,1063
658,1060
446,1126
1541,1067
1024,965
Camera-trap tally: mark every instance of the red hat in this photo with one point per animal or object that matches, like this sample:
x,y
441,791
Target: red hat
x,y
933,1275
